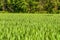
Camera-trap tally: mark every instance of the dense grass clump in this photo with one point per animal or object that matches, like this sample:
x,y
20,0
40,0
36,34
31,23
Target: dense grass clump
x,y
29,27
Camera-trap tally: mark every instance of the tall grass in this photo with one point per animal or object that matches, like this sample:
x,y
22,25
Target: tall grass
x,y
29,27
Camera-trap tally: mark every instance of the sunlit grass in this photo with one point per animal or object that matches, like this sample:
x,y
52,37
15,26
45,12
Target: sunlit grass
x,y
29,26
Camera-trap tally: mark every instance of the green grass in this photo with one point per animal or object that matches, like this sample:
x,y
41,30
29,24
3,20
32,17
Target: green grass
x,y
29,26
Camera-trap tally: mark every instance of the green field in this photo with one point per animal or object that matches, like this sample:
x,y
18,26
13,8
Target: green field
x,y
29,26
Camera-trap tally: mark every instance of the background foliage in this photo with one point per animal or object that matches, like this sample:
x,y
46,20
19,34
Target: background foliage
x,y
30,6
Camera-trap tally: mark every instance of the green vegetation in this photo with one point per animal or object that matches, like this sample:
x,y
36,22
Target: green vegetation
x,y
29,27
30,6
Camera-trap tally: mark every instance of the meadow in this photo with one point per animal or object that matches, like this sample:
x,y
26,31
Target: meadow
x,y
29,26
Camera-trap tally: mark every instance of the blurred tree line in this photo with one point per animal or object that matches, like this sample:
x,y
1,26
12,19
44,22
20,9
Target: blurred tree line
x,y
30,6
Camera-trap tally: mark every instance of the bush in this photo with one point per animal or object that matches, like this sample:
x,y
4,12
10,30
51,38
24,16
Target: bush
x,y
30,6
